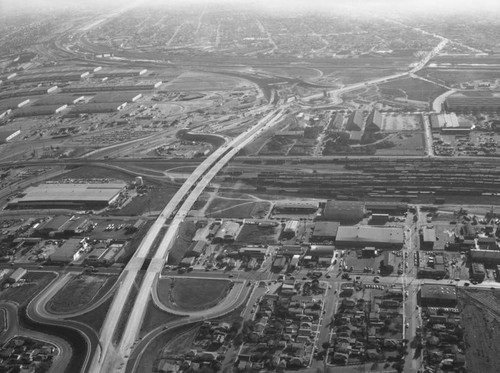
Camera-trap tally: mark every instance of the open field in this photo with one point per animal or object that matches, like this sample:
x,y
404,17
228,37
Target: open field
x,y
396,123
405,144
252,234
413,89
155,199
453,77
202,82
192,294
80,292
150,355
95,318
481,320
34,283
91,172
154,318
234,208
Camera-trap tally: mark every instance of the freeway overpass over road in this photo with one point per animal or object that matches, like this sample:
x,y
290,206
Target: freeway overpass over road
x,y
185,198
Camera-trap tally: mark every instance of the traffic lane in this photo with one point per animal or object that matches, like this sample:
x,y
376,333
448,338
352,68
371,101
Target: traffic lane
x,y
89,336
63,358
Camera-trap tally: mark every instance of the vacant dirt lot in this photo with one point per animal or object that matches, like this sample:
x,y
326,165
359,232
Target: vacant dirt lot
x,y
481,320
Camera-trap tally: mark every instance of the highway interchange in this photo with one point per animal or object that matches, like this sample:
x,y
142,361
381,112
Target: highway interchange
x,y
102,354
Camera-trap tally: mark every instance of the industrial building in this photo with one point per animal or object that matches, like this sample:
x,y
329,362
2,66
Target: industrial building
x,y
374,121
392,208
325,231
356,121
68,196
427,238
70,251
227,232
461,102
296,207
345,212
437,295
17,275
322,251
488,257
6,136
291,229
477,272
378,237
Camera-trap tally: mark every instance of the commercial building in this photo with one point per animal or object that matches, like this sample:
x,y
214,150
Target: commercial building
x,y
378,237
437,295
345,212
68,196
325,231
70,251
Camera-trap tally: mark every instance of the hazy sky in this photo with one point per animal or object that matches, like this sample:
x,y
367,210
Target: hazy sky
x,y
409,6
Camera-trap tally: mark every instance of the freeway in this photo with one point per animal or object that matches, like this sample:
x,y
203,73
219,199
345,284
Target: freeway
x,y
185,196
161,255
214,312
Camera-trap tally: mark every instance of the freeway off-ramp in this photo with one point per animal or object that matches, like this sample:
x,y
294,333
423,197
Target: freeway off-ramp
x,y
187,195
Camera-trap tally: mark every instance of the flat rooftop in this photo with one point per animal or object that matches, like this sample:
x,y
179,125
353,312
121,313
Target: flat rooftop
x,y
434,291
71,192
368,234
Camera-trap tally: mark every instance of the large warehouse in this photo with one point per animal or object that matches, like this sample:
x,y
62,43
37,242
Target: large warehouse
x,y
461,102
437,295
68,196
378,237
345,212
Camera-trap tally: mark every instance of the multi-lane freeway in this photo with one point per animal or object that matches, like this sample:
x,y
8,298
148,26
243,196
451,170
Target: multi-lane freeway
x,y
176,210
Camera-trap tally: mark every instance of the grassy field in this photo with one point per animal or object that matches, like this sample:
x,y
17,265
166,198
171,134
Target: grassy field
x,y
89,172
80,292
236,208
148,361
408,144
455,77
255,235
155,200
415,89
34,283
187,230
396,123
155,318
192,294
95,318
